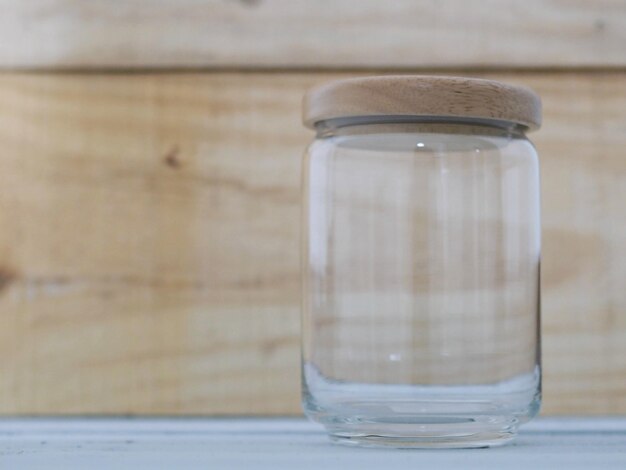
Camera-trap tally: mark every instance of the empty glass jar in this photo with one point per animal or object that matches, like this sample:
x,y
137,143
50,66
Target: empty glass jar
x,y
421,261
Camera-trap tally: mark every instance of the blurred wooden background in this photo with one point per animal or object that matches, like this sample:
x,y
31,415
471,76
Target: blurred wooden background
x,y
149,189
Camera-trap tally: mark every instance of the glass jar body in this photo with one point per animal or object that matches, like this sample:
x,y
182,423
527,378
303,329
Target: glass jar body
x,y
421,252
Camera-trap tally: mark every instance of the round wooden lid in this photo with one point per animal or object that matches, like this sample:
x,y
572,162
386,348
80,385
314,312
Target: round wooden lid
x,y
425,96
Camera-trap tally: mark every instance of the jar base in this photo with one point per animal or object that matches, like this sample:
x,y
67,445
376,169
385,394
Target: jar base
x,y
443,441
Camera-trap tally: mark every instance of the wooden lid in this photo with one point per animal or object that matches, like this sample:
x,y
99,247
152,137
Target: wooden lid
x,y
425,96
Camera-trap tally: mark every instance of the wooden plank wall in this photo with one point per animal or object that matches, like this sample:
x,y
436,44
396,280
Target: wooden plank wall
x,y
149,216
299,33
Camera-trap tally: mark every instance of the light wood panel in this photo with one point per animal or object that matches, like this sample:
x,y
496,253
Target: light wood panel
x,y
149,242
301,33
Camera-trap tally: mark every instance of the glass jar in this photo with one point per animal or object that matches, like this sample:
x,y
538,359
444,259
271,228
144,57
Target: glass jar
x,y
421,254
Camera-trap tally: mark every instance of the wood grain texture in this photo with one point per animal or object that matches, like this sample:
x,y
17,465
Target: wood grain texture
x,y
299,33
415,95
150,242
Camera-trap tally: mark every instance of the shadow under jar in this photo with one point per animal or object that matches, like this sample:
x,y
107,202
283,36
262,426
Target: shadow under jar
x,y
421,256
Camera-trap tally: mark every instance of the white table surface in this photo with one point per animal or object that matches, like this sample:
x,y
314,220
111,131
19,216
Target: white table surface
x,y
564,443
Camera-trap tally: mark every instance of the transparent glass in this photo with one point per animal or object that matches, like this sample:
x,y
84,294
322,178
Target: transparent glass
x,y
421,301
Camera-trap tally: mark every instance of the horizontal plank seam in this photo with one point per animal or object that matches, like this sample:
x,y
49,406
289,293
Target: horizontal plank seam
x,y
313,70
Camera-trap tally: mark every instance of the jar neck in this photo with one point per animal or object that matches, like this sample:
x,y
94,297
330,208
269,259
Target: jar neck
x,y
418,124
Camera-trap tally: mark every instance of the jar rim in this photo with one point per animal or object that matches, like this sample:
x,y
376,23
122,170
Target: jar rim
x,y
438,123
420,96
